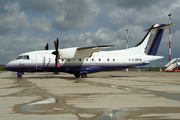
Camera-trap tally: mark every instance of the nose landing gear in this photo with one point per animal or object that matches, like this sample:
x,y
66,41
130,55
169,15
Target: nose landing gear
x,y
19,75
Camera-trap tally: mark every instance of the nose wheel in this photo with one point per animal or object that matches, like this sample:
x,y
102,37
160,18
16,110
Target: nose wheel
x,y
19,76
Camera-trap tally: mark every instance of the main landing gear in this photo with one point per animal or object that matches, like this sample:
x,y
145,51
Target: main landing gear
x,y
83,75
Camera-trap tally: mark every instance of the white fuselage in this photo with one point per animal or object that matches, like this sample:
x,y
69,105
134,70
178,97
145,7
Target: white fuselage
x,y
45,61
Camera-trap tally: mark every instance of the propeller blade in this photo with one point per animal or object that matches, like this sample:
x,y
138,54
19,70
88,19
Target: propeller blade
x,y
56,60
56,52
47,47
57,42
55,45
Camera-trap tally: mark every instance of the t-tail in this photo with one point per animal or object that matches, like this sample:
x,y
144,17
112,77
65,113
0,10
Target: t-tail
x,y
150,43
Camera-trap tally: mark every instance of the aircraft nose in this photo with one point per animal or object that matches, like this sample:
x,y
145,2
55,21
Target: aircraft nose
x,y
9,67
6,67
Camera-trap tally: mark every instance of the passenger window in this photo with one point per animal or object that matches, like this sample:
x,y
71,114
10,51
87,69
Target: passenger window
x,y
92,59
108,59
99,59
86,59
113,59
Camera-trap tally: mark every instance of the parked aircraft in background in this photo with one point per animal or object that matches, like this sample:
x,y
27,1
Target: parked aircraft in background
x,y
81,61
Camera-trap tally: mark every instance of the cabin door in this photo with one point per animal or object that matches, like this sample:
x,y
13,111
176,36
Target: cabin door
x,y
39,61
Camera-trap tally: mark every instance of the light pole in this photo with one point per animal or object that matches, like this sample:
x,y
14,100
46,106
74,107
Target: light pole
x,y
127,69
127,39
169,37
160,63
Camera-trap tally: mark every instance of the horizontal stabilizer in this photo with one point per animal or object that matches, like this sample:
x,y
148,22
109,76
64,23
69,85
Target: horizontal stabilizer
x,y
161,26
146,63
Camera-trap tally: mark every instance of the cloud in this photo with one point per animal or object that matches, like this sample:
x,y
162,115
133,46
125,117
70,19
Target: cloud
x,y
135,34
13,45
68,14
41,6
139,12
12,19
42,25
75,15
107,36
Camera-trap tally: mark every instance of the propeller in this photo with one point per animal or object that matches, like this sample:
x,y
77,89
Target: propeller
x,y
56,52
47,47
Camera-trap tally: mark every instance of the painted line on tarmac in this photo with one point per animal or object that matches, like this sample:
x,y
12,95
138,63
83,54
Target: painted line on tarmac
x,y
41,84
95,83
9,84
139,82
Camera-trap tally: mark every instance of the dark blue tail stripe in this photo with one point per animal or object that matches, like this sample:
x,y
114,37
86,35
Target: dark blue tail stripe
x,y
156,42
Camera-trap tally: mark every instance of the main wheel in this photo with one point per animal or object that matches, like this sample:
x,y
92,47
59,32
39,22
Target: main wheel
x,y
56,73
84,75
77,75
19,76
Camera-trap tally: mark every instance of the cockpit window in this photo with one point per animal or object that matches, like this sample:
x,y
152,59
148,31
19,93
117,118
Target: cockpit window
x,y
19,57
26,57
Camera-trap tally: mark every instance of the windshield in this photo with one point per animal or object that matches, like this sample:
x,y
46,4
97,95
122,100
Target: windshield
x,y
25,57
19,57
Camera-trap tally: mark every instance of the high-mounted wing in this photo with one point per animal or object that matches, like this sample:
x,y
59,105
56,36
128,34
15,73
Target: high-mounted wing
x,y
88,51
81,52
95,48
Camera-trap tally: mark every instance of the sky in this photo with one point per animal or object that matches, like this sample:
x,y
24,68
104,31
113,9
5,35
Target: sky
x,y
27,25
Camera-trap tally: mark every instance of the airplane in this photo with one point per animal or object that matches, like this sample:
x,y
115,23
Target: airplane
x,y
81,61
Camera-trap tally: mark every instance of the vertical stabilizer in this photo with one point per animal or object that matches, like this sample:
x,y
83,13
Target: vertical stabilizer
x,y
150,44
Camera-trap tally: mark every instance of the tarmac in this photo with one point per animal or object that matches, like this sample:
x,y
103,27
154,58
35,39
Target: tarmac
x,y
116,95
